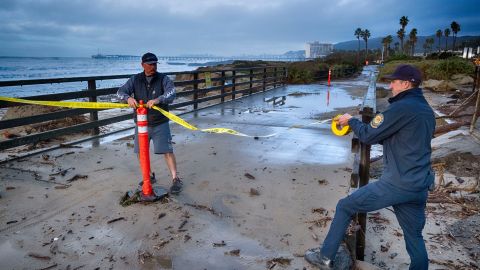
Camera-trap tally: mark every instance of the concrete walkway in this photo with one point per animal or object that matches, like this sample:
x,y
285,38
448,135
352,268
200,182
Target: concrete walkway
x,y
246,203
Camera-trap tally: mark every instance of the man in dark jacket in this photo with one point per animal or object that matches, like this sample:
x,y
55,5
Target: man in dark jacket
x,y
405,129
154,89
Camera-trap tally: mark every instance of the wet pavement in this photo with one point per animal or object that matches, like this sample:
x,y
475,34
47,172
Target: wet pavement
x,y
302,168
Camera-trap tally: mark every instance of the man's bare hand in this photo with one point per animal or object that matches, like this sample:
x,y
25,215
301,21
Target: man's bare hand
x,y
152,102
132,103
343,120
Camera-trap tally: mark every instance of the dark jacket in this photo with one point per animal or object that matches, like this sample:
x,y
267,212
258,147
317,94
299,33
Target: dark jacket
x,y
405,129
160,87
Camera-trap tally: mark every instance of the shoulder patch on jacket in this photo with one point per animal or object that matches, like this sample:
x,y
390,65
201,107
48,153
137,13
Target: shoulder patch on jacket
x,y
377,121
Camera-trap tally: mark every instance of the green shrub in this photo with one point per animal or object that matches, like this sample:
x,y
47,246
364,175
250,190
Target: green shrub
x,y
402,57
433,69
299,76
444,69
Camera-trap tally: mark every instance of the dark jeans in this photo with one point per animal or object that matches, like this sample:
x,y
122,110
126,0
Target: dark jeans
x,y
409,208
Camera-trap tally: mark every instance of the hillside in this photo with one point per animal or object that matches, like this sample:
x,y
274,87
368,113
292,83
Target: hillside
x,y
376,43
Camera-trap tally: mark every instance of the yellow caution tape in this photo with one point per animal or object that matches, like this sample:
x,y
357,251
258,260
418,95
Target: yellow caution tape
x,y
108,105
339,132
69,104
175,118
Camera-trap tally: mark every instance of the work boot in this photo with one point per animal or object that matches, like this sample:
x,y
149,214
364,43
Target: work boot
x,y
176,186
315,257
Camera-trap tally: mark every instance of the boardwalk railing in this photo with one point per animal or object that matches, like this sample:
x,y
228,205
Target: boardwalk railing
x,y
361,167
195,90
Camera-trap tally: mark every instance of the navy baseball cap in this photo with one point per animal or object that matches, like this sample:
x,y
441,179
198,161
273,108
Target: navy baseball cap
x,y
149,58
405,73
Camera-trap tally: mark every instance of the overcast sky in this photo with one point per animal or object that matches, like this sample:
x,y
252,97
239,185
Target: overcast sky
x,y
217,27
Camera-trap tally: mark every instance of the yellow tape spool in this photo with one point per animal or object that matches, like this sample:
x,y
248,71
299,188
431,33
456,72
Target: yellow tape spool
x,y
339,132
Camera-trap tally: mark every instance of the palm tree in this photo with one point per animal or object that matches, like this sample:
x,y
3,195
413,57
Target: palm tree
x,y
358,34
384,43
427,45
403,23
401,36
446,32
455,29
388,40
408,46
413,39
439,35
365,35
430,42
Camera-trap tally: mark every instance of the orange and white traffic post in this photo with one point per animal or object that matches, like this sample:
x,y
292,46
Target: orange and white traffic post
x,y
329,75
144,152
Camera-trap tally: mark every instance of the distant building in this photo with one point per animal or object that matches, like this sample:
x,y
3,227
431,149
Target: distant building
x,y
316,49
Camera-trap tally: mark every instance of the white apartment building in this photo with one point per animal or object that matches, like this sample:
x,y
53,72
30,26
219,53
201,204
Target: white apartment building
x,y
316,49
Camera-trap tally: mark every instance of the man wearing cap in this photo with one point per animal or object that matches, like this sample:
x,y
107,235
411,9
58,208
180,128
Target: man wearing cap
x,y
156,89
405,130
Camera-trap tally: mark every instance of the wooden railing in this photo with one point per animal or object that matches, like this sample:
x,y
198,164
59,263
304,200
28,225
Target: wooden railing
x,y
205,87
361,168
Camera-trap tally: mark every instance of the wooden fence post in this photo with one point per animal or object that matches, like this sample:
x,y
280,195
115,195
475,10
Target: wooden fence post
x,y
195,91
264,79
364,175
92,86
233,83
251,79
222,91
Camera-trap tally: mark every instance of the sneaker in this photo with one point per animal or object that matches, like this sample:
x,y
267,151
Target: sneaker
x,y
152,180
314,257
176,186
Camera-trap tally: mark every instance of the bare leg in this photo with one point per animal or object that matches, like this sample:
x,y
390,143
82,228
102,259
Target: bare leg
x,y
171,164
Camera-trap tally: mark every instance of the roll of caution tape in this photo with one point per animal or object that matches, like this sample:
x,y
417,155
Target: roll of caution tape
x,y
339,132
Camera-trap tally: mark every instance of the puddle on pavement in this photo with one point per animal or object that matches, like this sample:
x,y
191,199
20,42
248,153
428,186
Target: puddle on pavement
x,y
204,255
8,253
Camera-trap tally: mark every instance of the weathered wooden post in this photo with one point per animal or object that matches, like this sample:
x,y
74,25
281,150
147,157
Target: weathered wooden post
x,y
92,86
233,83
368,112
364,176
222,90
275,77
264,79
251,84
195,90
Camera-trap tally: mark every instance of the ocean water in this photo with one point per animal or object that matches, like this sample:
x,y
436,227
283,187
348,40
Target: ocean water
x,y
29,68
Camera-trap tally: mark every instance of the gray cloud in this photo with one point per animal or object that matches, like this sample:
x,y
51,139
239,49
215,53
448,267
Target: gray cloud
x,y
80,28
